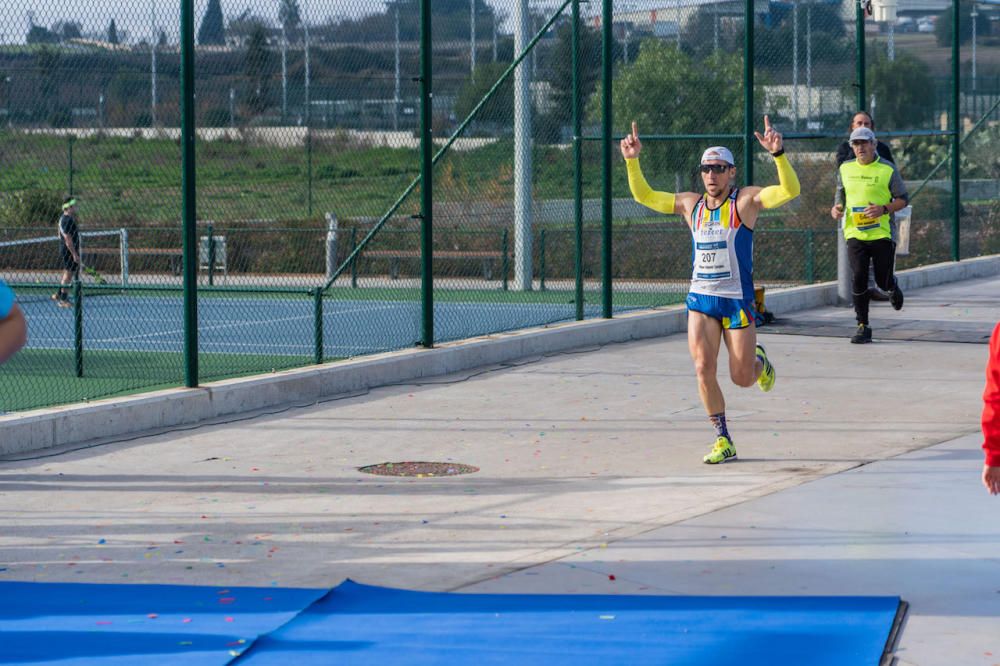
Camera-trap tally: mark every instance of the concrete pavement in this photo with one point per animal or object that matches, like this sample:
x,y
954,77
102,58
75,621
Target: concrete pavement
x,y
587,456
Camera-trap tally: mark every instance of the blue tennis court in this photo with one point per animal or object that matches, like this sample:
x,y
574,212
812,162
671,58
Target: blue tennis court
x,y
276,326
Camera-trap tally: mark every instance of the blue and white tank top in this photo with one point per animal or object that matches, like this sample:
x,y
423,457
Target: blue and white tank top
x,y
722,250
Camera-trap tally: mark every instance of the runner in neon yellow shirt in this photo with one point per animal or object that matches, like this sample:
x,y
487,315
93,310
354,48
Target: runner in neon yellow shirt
x,y
870,190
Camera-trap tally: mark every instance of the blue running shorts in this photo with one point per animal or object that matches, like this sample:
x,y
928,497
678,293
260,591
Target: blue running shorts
x,y
734,313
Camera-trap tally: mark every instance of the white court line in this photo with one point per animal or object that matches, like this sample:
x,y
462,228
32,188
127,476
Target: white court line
x,y
236,324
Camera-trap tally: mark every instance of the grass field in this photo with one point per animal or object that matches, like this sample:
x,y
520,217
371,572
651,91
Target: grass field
x,y
121,180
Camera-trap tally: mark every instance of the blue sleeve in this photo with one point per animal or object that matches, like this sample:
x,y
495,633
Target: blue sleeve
x,y
6,299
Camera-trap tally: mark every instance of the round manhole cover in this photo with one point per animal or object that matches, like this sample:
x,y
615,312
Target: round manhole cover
x,y
418,469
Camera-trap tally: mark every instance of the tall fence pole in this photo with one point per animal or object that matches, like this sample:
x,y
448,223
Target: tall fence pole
x,y
607,38
748,110
331,244
426,177
188,194
523,278
859,41
577,164
956,128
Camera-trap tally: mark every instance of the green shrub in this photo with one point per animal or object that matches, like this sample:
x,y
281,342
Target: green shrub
x,y
34,207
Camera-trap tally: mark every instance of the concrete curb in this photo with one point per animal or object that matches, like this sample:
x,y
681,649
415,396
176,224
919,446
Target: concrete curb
x,y
128,416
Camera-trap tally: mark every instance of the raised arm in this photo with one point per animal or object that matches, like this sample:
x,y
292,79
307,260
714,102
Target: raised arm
x,y
662,202
788,183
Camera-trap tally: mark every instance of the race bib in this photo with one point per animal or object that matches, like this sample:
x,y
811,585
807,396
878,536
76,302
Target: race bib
x,y
711,261
861,221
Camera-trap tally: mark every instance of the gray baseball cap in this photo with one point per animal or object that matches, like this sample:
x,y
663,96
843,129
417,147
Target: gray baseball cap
x,y
862,134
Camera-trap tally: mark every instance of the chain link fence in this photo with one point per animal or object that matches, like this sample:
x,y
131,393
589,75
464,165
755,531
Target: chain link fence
x,y
311,242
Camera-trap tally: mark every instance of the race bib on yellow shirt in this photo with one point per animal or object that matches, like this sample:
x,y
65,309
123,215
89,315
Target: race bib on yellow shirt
x,y
860,220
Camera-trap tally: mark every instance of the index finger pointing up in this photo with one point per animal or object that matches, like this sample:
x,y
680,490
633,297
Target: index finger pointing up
x,y
767,123
635,130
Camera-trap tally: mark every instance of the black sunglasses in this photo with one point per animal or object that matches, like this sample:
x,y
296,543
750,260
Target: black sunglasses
x,y
714,168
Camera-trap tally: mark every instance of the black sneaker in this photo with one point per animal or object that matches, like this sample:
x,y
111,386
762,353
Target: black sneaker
x,y
896,298
862,336
877,294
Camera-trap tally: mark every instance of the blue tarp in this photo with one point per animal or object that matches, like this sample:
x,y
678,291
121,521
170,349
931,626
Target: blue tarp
x,y
134,625
359,624
69,624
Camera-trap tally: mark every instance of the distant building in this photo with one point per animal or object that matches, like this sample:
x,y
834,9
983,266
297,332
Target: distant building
x,y
665,21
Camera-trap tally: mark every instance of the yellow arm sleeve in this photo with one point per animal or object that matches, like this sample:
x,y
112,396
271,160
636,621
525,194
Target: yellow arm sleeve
x,y
787,187
662,202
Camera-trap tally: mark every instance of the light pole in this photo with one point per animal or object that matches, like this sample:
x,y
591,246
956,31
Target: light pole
x,y
677,5
284,75
305,27
974,15
472,36
809,59
232,107
522,153
152,64
494,34
891,45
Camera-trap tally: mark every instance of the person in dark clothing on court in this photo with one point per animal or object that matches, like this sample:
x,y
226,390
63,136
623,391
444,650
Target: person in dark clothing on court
x,y
69,251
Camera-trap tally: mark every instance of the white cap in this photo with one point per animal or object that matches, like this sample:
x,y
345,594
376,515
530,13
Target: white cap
x,y
718,153
862,134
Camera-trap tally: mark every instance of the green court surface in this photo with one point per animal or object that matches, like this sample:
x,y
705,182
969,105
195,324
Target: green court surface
x,y
40,377
133,338
622,299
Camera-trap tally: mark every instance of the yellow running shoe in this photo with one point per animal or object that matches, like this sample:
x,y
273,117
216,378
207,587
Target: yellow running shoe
x,y
721,452
767,377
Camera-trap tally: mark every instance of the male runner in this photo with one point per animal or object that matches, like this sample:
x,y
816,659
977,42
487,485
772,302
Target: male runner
x,y
721,299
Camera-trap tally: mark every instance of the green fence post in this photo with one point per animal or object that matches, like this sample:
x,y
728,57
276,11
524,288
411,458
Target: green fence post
x,y
504,266
354,260
607,41
748,106
189,195
211,255
69,150
318,324
577,166
956,128
426,176
78,326
810,261
541,260
859,47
